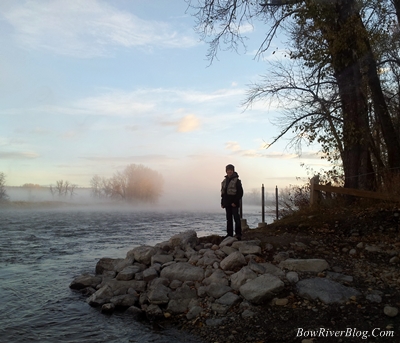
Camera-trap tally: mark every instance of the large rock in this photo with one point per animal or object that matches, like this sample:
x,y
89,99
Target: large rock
x,y
227,241
122,287
107,264
272,269
217,290
208,258
101,296
218,276
256,267
158,294
182,271
325,290
250,249
184,239
128,273
153,311
238,244
84,281
142,254
233,261
161,258
126,300
241,277
119,266
136,312
150,274
180,299
261,289
306,265
229,299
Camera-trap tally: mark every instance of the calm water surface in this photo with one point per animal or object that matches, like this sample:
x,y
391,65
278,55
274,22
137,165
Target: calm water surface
x,y
42,251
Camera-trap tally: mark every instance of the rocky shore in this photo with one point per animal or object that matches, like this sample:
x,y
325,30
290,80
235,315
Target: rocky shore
x,y
285,287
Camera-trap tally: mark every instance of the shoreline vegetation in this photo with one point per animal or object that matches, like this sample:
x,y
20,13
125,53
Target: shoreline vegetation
x,y
305,278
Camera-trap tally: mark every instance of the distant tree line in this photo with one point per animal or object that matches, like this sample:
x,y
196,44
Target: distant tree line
x,y
254,197
136,183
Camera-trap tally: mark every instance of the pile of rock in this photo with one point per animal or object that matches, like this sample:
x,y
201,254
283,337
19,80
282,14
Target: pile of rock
x,y
181,276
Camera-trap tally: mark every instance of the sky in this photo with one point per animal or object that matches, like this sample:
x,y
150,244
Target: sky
x,y
89,87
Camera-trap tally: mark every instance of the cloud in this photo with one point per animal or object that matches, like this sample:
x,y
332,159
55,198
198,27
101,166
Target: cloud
x,y
308,155
113,103
40,131
236,149
86,29
128,159
70,134
233,146
148,102
131,127
186,124
192,96
18,155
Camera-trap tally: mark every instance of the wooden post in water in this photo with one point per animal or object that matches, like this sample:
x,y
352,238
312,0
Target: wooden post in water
x,y
276,203
262,224
262,204
314,194
242,220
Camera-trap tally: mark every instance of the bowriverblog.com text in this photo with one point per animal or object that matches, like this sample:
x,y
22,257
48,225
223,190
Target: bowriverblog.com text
x,y
349,332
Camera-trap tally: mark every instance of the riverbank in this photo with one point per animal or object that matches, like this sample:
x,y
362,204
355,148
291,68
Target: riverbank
x,y
354,253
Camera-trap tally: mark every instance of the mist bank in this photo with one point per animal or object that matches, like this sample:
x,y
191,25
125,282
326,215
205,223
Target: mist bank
x,y
41,197
199,201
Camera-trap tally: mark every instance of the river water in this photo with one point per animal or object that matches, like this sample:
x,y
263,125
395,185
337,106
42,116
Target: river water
x,y
42,251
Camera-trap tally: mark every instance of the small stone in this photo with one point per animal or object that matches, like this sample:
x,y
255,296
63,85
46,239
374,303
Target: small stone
x,y
372,248
292,277
337,269
375,298
308,340
394,260
391,311
281,302
247,314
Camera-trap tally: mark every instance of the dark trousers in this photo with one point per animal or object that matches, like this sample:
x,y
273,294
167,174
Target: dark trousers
x,y
232,213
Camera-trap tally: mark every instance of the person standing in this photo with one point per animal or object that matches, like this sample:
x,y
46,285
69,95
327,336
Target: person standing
x,y
231,196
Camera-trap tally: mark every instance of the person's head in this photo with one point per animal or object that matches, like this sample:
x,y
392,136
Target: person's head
x,y
230,169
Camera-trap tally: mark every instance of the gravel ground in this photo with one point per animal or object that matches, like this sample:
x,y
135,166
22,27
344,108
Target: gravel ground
x,y
360,242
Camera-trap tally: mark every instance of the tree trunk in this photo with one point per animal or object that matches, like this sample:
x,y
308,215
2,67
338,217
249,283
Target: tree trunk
x,y
340,35
381,110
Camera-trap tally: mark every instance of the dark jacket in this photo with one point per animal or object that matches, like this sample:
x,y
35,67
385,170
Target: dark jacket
x,y
231,190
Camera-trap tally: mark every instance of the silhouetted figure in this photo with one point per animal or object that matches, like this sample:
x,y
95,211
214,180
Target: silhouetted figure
x,y
231,196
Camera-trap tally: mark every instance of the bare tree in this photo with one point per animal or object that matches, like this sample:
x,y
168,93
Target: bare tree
x,y
3,192
334,39
136,183
96,186
71,190
62,188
